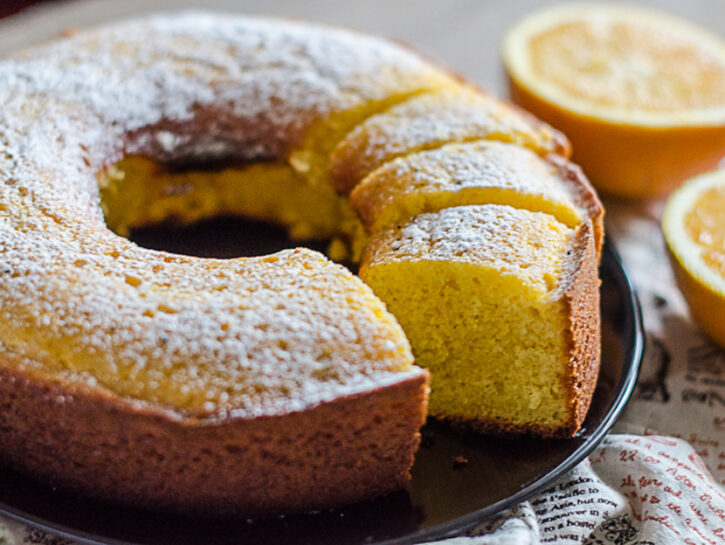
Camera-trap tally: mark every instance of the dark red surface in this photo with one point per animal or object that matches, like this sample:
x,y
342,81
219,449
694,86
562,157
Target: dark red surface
x,y
9,7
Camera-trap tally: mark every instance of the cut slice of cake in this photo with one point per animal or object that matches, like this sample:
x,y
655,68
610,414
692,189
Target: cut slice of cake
x,y
431,120
501,305
481,172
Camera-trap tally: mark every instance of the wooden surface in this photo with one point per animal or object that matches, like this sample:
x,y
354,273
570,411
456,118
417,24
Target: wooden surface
x,y
464,34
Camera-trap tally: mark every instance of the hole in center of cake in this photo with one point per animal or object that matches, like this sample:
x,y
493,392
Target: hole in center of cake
x,y
223,211
220,237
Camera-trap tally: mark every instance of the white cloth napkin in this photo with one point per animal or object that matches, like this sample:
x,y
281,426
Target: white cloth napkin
x,y
642,490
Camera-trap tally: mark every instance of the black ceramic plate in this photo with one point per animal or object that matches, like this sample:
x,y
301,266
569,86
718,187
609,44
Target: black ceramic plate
x,y
443,498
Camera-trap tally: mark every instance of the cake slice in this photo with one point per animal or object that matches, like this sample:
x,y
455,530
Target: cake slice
x,y
431,120
481,172
501,305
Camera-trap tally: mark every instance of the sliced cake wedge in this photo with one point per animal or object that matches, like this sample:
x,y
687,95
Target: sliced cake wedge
x,y
501,305
481,172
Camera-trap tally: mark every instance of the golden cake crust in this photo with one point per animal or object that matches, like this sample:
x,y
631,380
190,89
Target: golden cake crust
x,y
584,332
586,196
102,445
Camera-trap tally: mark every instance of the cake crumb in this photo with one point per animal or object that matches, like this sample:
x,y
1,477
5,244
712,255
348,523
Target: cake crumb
x,y
459,462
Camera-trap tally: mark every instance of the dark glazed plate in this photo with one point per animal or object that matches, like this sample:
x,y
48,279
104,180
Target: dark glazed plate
x,y
440,501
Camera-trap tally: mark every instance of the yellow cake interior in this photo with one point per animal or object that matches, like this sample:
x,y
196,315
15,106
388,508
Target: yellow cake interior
x,y
138,191
487,321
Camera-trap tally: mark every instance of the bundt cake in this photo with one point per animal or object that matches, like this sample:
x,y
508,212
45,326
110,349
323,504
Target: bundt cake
x,y
277,383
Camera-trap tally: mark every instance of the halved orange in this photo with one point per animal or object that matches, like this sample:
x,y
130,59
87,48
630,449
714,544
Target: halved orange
x,y
694,227
640,94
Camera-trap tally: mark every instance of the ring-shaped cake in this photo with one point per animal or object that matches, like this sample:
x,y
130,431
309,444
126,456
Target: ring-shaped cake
x,y
277,383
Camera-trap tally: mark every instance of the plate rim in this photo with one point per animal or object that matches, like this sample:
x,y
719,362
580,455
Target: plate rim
x,y
453,528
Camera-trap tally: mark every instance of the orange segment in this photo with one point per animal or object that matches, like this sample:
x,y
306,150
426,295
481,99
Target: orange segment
x,y
640,94
694,227
705,225
627,65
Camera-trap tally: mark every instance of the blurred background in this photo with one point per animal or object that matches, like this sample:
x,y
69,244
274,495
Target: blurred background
x,y
463,34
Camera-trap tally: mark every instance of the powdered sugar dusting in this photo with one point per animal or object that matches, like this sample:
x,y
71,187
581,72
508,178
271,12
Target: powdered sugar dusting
x,y
529,245
457,169
486,164
432,120
247,336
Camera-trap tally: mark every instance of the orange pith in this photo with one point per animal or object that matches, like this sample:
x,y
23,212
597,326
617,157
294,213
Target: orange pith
x,y
628,66
705,225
